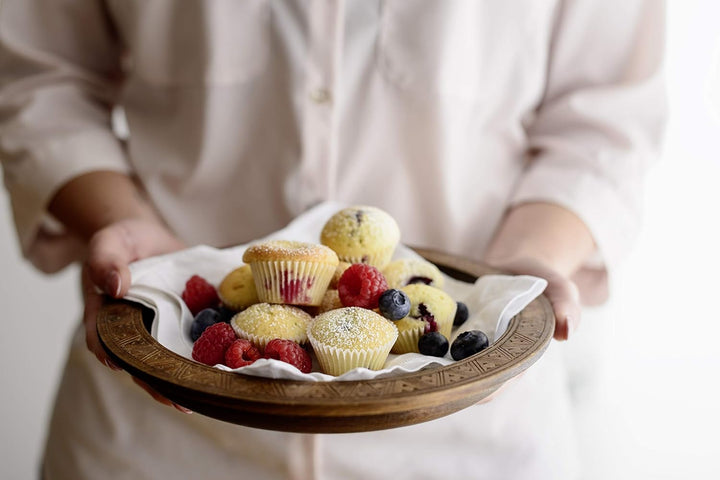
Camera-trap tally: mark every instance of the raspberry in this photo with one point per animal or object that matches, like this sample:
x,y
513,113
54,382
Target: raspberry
x,y
361,286
210,348
289,352
199,294
240,353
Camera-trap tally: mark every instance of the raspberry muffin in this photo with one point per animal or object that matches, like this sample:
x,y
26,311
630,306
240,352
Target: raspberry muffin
x,y
362,234
351,337
294,273
431,310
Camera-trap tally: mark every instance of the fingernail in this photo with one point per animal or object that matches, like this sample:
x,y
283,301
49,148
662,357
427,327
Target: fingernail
x,y
111,365
113,284
182,409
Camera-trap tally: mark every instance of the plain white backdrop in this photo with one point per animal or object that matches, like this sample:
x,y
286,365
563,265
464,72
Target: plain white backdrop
x,y
664,395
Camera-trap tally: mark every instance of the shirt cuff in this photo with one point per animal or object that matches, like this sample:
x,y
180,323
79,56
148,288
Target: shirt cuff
x,y
33,179
612,219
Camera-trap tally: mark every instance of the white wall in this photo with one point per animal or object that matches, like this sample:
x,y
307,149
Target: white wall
x,y
38,316
665,396
667,357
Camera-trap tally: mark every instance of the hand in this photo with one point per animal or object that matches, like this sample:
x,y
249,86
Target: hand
x,y
547,241
106,271
561,291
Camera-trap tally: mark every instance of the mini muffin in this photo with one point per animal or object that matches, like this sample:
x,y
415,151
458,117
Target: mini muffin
x,y
342,266
406,271
330,301
295,273
237,289
428,306
351,337
263,322
362,234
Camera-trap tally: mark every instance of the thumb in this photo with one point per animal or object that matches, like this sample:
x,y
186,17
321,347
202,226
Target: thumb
x,y
113,248
110,252
565,299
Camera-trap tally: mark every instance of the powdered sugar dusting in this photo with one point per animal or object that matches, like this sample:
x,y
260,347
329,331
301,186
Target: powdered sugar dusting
x,y
275,321
352,328
290,250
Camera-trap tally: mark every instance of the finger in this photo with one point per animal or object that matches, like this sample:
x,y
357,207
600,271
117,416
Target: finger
x,y
115,247
565,299
93,302
158,397
110,253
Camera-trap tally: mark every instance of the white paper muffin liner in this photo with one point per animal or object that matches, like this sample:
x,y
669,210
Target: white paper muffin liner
x,y
292,282
407,341
378,259
336,361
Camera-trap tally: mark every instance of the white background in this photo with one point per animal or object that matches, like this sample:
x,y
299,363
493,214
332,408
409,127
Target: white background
x,y
664,360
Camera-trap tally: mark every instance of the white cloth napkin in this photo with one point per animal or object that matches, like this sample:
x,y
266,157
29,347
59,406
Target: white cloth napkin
x,y
159,281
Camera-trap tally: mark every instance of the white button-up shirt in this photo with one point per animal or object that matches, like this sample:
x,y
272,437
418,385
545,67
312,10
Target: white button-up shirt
x,y
242,114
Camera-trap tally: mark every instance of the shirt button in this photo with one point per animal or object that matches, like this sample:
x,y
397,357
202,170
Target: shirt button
x,y
320,95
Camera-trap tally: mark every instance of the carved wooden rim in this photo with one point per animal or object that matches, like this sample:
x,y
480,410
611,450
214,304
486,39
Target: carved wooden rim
x,y
325,407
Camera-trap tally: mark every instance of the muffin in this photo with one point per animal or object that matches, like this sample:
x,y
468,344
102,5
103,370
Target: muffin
x,y
263,322
342,266
406,271
362,234
330,301
351,337
237,289
295,273
428,305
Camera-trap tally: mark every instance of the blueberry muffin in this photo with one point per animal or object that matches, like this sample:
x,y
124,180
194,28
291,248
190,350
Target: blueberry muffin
x,y
406,271
362,234
431,309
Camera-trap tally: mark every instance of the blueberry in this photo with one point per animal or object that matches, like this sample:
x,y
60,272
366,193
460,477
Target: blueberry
x,y
433,343
225,313
468,343
203,319
394,304
461,314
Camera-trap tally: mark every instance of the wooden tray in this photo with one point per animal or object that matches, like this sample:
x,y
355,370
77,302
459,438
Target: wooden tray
x,y
328,407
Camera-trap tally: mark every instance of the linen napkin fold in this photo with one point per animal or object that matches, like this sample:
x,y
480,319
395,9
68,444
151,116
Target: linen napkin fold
x,y
158,282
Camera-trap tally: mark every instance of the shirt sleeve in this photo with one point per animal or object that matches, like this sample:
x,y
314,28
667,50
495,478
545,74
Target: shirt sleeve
x,y
60,64
600,124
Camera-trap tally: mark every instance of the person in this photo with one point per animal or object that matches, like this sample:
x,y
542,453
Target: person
x,y
513,132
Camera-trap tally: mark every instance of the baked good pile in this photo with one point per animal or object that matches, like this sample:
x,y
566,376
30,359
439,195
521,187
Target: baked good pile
x,y
342,299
